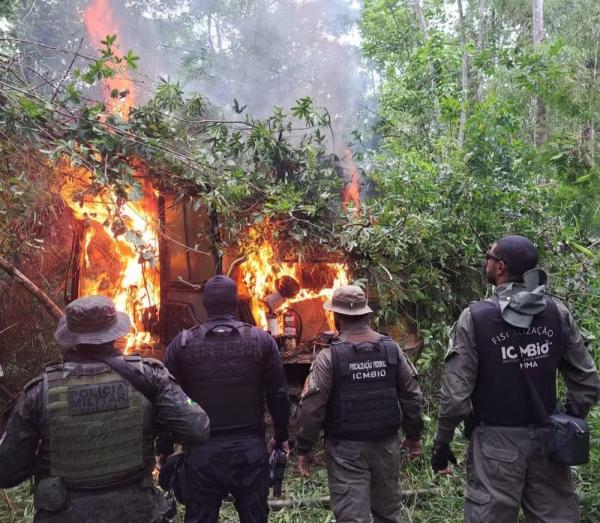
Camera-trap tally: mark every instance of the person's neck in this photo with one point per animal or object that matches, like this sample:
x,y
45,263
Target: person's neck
x,y
82,352
505,279
221,316
355,328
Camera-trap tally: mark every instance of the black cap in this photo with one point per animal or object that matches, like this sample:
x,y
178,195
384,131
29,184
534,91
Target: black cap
x,y
220,296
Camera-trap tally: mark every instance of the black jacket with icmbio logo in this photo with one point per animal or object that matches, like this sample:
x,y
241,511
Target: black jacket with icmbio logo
x,y
501,396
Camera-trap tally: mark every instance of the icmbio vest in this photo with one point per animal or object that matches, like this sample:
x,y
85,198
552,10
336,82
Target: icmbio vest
x,y
94,436
500,396
221,370
363,404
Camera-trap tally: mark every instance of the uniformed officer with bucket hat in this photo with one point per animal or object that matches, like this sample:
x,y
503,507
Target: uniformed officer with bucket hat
x,y
84,429
361,390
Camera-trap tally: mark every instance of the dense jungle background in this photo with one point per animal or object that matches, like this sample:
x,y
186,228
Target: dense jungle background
x,y
467,120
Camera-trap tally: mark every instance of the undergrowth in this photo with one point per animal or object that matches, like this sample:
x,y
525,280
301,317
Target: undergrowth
x,y
440,499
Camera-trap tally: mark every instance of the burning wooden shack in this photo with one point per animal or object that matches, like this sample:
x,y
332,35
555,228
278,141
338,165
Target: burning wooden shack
x,y
152,253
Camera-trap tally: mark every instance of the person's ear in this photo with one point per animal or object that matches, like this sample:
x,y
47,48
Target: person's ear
x,y
501,267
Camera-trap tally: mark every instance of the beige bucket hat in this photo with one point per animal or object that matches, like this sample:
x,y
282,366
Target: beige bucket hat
x,y
350,300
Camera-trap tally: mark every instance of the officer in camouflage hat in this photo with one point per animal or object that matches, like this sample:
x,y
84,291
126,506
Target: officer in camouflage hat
x,y
84,429
361,390
519,330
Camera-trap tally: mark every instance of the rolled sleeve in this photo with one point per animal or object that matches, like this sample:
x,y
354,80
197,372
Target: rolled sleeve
x,y
458,379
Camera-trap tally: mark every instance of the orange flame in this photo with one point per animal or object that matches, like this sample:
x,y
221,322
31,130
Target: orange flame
x,y
120,243
99,22
261,269
120,249
352,189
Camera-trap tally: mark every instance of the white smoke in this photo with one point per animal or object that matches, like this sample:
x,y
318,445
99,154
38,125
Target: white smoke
x,y
269,54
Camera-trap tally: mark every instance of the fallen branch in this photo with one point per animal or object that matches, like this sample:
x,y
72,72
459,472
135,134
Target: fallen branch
x,y
32,288
323,501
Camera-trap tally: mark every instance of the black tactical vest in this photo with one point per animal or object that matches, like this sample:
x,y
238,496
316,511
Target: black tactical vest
x,y
221,370
500,396
363,404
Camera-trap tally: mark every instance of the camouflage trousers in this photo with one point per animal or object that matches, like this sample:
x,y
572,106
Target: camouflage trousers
x,y
364,480
507,469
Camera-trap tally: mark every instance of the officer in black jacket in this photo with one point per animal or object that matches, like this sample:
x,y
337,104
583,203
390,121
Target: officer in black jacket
x,y
229,368
519,330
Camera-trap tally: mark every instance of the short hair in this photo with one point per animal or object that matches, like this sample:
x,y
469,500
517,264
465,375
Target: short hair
x,y
518,253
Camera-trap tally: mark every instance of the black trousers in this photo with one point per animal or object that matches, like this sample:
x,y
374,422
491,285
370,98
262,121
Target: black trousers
x,y
212,471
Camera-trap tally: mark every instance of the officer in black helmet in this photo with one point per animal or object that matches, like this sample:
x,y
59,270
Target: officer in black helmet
x,y
229,368
84,429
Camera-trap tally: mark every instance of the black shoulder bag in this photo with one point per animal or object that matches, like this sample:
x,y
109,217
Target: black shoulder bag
x,y
570,439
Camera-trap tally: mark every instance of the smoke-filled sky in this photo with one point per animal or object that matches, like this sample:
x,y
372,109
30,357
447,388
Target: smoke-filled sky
x,y
261,52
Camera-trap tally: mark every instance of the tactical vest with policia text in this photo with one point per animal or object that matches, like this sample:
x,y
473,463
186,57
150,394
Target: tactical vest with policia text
x,y
363,404
222,370
94,436
500,396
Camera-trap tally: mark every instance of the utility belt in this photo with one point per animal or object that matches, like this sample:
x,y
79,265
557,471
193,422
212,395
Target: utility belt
x,y
534,429
567,437
235,434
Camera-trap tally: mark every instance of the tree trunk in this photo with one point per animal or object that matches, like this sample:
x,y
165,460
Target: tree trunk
x,y
209,32
421,16
541,121
32,288
588,129
481,25
464,77
537,7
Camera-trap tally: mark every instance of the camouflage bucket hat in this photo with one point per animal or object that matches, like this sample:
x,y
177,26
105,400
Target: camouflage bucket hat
x,y
91,320
349,300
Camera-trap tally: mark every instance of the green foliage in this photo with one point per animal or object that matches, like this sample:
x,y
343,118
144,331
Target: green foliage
x,y
431,205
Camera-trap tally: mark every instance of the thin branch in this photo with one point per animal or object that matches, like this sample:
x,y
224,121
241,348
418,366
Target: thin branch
x,y
50,47
32,288
9,327
56,91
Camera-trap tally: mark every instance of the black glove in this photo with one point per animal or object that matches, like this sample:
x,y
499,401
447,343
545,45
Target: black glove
x,y
441,454
573,409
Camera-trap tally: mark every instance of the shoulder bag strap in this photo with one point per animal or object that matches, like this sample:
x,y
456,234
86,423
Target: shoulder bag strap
x,y
135,376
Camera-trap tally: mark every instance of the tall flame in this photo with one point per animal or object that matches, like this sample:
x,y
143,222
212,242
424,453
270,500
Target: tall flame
x,y
120,243
352,189
261,269
99,22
